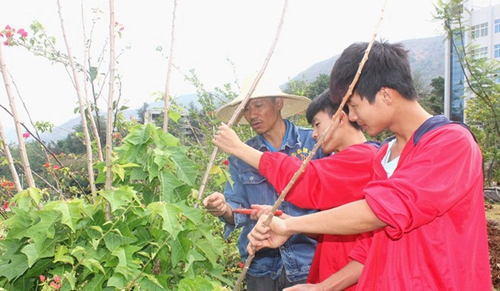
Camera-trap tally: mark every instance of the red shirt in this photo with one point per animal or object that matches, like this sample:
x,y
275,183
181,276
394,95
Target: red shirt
x,y
324,184
436,238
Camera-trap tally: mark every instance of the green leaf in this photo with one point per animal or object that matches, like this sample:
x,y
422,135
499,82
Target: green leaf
x,y
169,214
120,197
168,182
31,252
114,240
15,267
180,250
71,212
47,223
196,284
61,255
185,169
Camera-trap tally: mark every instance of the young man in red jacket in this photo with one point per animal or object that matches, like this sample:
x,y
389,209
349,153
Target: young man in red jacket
x,y
347,172
425,202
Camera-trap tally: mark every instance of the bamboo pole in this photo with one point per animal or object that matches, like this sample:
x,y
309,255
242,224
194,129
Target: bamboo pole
x,y
81,102
244,102
169,71
12,103
297,174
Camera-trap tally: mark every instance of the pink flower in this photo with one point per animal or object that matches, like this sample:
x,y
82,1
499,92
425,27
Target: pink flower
x,y
56,167
5,205
57,279
1,34
22,32
55,285
6,42
26,135
42,278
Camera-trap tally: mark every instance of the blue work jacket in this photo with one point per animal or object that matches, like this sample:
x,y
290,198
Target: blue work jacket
x,y
250,187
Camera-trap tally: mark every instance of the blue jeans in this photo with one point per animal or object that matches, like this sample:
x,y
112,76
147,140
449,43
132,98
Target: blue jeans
x,y
267,284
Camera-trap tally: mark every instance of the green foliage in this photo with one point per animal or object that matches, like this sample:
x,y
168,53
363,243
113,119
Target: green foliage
x,y
150,237
482,109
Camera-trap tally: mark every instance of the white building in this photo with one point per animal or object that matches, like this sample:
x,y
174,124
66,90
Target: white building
x,y
484,23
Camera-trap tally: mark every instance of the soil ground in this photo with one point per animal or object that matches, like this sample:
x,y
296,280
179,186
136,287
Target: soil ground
x,y
493,215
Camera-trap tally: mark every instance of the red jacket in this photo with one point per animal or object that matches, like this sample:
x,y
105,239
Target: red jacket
x,y
436,238
324,184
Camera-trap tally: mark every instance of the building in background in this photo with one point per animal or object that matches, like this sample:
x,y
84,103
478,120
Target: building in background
x,y
484,23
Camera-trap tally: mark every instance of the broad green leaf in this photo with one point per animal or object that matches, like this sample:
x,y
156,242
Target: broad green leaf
x,y
93,264
31,252
46,224
61,255
114,240
169,214
168,182
71,214
70,277
150,283
127,265
180,250
17,265
185,169
18,225
118,281
196,284
120,197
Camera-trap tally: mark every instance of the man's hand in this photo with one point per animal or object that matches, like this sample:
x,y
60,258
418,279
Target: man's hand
x,y
271,236
216,204
226,139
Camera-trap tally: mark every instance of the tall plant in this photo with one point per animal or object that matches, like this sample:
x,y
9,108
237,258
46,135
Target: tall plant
x,y
482,109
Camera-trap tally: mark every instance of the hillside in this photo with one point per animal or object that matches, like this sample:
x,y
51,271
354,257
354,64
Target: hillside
x,y
426,58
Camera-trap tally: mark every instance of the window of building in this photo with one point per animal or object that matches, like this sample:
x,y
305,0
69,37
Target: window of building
x,y
496,50
480,53
497,25
479,30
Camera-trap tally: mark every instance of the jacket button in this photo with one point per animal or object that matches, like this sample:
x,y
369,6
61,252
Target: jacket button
x,y
251,178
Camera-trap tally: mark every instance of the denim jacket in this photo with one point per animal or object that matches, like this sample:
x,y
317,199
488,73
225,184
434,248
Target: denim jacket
x,y
250,187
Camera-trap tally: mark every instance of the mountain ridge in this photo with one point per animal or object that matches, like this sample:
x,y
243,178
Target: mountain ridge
x,y
426,55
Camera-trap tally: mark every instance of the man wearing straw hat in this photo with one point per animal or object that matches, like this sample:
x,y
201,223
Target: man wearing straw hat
x,y
267,108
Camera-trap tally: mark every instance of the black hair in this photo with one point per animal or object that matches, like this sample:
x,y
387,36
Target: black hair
x,y
387,66
324,103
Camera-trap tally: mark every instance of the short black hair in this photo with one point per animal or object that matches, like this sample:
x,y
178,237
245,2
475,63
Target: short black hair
x,y
387,66
324,103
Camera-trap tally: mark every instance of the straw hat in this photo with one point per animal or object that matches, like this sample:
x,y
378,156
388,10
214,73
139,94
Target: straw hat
x,y
292,104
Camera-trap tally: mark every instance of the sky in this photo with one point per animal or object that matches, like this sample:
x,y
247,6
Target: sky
x,y
209,36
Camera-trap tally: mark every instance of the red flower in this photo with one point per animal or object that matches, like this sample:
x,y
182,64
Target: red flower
x,y
55,285
47,165
42,278
241,265
22,32
26,135
225,162
56,167
5,205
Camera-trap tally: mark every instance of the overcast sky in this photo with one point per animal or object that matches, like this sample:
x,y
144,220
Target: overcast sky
x,y
208,33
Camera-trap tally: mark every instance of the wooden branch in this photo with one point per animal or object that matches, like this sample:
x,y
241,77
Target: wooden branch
x,y
297,174
88,143
109,121
169,70
22,145
244,102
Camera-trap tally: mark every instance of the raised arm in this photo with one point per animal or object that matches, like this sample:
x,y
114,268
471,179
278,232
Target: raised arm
x,y
229,142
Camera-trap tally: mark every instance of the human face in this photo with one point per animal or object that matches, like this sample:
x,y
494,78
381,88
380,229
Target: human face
x,y
263,113
320,123
369,116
